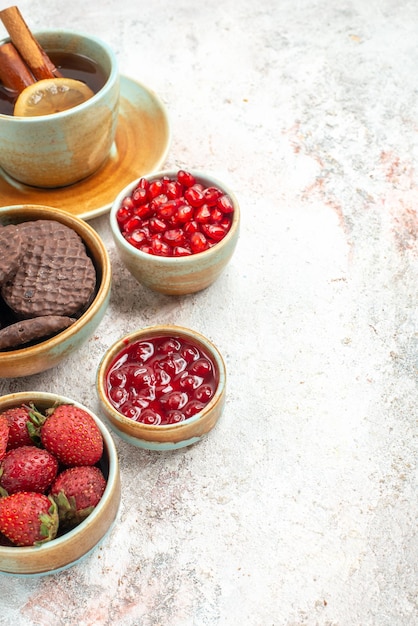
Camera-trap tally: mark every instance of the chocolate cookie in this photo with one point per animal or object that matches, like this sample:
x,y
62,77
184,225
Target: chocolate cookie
x,y
10,251
55,275
25,331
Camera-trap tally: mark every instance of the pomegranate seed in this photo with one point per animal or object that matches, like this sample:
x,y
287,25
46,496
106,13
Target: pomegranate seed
x,y
174,236
198,242
181,251
156,225
122,215
226,223
214,231
184,214
132,224
127,203
158,202
167,210
224,203
143,183
143,211
147,249
160,248
211,195
139,196
145,227
156,187
194,196
191,227
216,215
137,238
202,215
173,189
185,178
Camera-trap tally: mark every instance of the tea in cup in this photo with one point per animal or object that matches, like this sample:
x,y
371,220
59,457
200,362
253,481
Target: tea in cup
x,y
59,149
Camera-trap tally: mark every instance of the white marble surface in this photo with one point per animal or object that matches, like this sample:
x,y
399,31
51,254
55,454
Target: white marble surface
x,y
300,508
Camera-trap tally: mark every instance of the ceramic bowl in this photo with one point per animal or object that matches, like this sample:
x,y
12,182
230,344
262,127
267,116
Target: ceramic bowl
x,y
171,436
177,275
48,353
66,550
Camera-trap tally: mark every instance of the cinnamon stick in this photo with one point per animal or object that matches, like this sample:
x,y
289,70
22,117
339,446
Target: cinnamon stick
x,y
29,48
14,73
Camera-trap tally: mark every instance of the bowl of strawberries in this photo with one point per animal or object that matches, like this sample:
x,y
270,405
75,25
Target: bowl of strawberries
x,y
176,230
59,483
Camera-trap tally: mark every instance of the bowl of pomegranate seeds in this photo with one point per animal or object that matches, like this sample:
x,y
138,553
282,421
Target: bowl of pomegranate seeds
x,y
175,230
162,387
59,483
55,280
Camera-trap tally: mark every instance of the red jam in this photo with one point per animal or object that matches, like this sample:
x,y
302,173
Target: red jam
x,y
174,216
161,380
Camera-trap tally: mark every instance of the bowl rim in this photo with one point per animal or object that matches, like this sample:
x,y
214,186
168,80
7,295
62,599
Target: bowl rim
x,y
102,291
154,331
112,478
184,260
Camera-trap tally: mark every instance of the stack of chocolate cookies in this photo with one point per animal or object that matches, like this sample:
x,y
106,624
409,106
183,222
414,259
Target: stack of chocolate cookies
x,y
47,280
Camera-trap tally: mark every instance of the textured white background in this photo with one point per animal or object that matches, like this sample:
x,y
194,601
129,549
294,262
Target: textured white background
x,y
300,508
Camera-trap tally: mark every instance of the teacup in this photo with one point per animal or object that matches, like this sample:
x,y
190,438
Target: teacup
x,y
63,148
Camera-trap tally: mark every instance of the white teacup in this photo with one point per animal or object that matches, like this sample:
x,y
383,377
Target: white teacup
x,y
63,148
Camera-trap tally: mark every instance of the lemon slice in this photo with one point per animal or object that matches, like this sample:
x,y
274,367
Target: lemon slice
x,y
51,95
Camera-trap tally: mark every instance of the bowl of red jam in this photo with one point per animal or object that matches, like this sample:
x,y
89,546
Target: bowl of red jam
x,y
175,230
162,387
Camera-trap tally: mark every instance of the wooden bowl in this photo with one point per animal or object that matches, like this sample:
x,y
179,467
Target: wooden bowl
x,y
177,275
67,549
172,436
47,354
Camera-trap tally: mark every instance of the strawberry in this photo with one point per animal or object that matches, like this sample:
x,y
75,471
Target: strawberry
x,y
27,468
72,436
28,519
18,418
76,491
4,435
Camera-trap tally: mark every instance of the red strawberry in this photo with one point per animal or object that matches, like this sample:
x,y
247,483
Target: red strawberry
x,y
27,468
4,435
77,491
27,518
18,418
72,435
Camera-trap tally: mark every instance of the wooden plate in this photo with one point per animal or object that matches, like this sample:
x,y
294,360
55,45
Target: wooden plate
x,y
141,145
